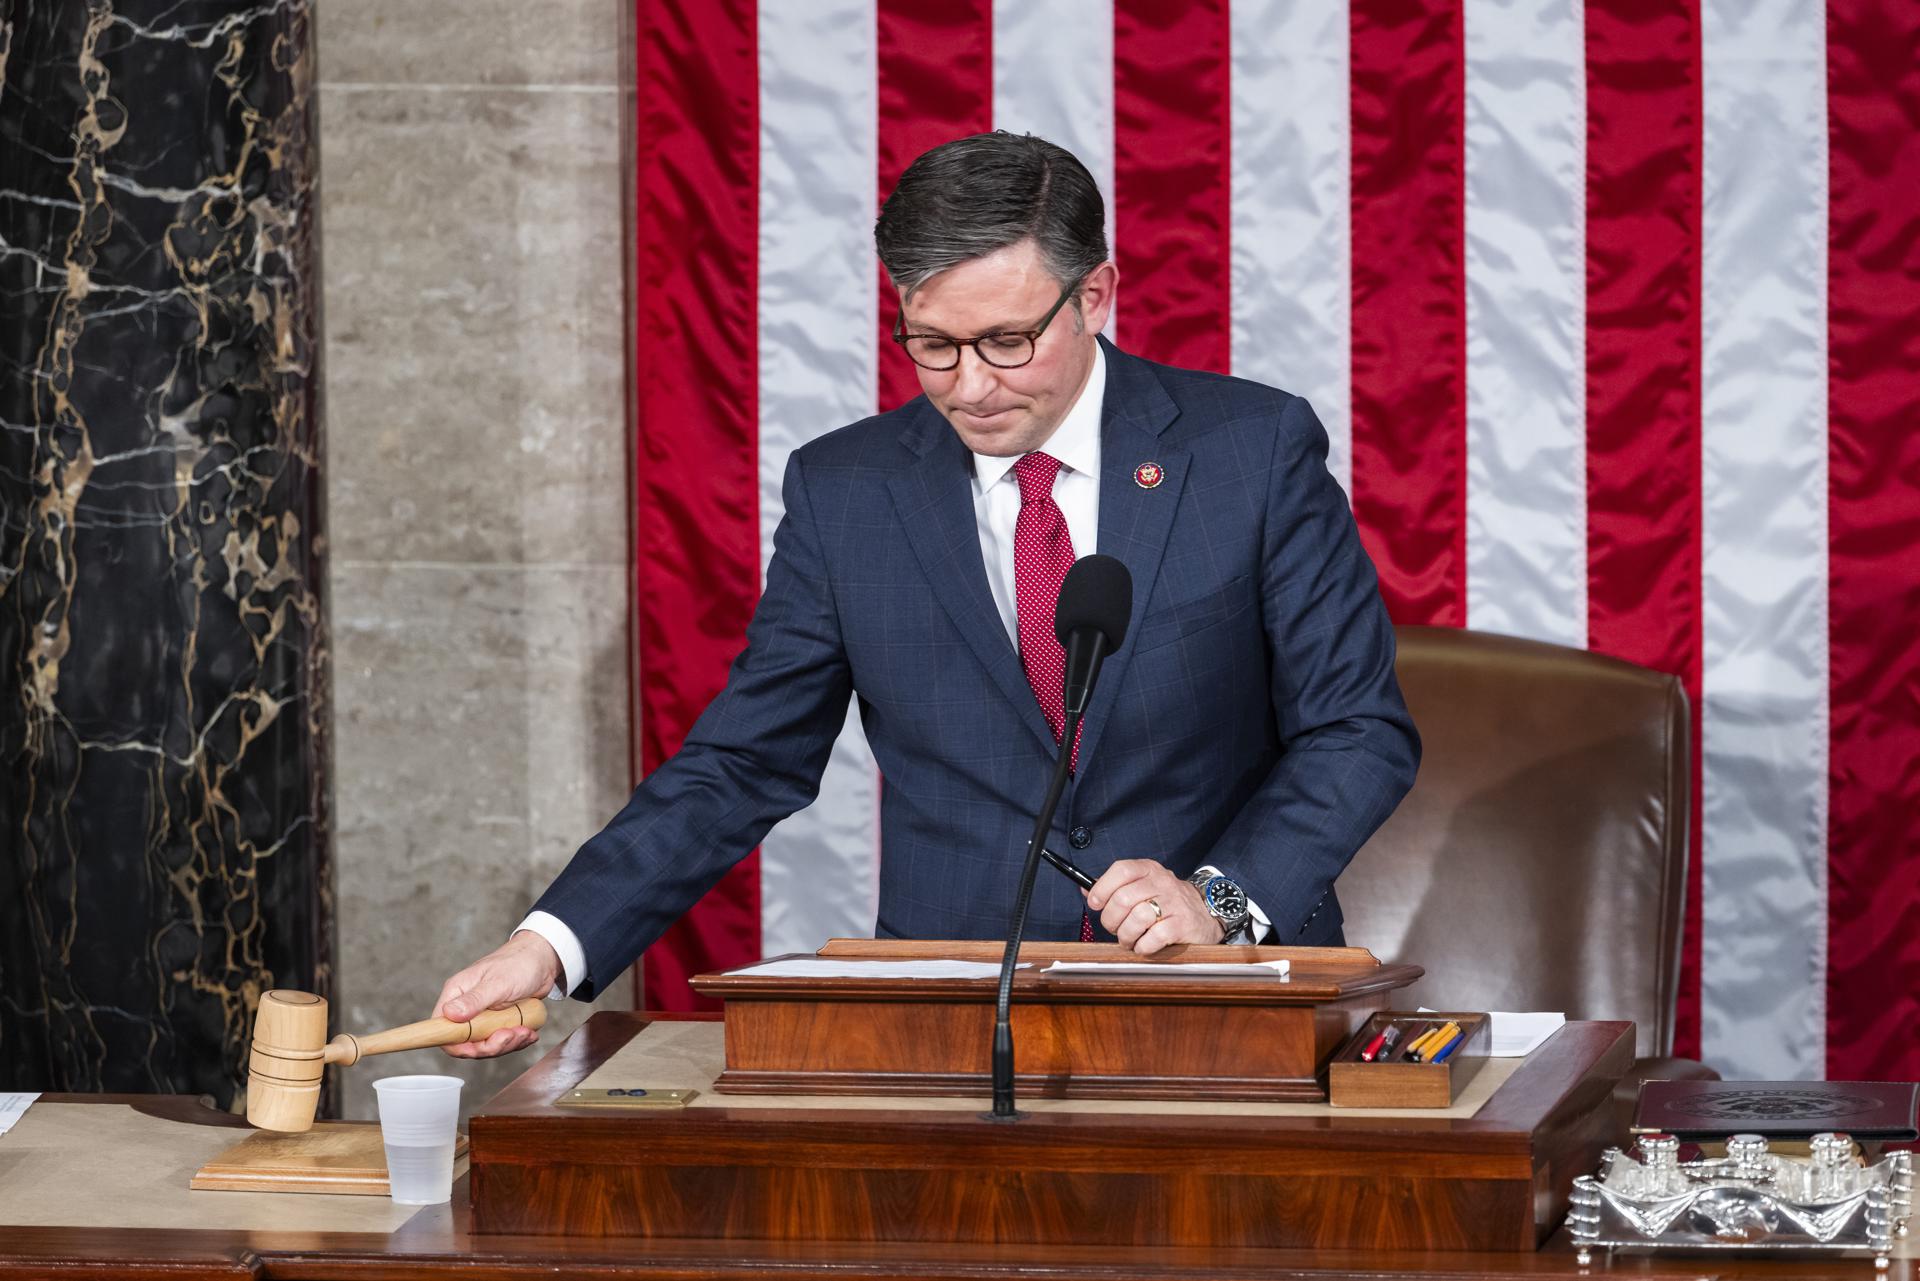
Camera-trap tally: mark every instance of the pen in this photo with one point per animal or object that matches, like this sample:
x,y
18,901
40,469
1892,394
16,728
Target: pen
x,y
1389,1039
1373,1047
1067,869
1445,1051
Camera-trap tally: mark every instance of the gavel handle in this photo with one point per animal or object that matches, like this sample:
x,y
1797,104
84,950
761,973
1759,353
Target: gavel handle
x,y
347,1049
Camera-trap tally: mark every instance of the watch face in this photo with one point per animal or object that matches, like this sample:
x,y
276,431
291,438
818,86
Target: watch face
x,y
1228,901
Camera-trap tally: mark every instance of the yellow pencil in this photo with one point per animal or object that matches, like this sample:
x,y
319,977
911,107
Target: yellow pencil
x,y
1413,1051
1437,1038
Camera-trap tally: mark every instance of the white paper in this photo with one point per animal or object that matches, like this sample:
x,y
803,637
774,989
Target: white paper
x,y
12,1108
1514,1036
1273,969
1517,1035
814,967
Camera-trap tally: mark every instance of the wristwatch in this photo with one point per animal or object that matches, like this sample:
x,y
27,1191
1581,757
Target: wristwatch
x,y
1227,902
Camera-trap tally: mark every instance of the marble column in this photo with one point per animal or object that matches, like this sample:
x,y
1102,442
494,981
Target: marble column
x,y
476,474
163,642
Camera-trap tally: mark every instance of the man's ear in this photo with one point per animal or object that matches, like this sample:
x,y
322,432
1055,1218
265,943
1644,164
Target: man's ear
x,y
1097,293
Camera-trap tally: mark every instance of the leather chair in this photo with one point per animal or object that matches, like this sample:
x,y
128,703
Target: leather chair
x,y
1540,861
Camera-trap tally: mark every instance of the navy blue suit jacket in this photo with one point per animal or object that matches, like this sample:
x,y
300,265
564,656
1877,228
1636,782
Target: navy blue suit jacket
x,y
1251,720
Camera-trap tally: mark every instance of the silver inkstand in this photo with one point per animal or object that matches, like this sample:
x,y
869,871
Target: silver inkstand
x,y
1750,1199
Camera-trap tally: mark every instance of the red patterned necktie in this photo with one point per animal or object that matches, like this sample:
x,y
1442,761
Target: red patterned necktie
x,y
1042,555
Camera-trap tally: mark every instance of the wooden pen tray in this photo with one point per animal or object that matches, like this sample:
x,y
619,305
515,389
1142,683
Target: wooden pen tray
x,y
1398,1083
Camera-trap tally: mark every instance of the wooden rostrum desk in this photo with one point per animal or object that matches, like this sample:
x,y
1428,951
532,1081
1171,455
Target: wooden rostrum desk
x,y
1179,1146
440,1241
840,1186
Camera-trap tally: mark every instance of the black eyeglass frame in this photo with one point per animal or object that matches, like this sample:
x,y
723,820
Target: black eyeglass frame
x,y
901,336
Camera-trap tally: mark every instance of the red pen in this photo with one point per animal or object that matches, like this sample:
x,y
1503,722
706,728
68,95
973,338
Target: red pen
x,y
1373,1047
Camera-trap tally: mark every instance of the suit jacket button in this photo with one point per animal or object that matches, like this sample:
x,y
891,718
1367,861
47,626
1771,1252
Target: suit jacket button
x,y
1080,837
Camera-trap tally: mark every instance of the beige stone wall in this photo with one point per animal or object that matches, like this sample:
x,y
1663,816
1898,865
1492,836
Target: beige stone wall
x,y
470,180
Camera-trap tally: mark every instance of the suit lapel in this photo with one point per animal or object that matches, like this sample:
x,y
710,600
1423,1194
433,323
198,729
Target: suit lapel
x,y
1134,520
934,498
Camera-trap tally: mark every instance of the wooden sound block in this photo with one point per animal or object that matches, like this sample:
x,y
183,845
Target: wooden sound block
x,y
342,1158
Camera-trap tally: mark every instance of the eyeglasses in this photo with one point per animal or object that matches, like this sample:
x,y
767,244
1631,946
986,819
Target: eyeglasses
x,y
1007,350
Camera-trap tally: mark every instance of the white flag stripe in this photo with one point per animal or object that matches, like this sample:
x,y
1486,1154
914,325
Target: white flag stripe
x,y
1526,127
1764,527
818,309
1292,225
1053,78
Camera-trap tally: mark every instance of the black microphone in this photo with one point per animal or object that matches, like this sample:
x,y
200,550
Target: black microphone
x,y
1090,621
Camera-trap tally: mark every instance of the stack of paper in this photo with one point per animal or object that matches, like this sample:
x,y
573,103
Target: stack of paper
x,y
1517,1035
12,1108
1270,969
814,967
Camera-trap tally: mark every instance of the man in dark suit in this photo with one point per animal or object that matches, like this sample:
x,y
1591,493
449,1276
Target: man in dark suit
x,y
1241,745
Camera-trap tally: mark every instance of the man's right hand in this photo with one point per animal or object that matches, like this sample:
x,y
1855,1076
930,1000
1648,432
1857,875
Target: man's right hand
x,y
525,965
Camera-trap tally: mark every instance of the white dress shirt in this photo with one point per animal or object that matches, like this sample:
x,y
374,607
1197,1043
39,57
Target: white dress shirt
x,y
996,510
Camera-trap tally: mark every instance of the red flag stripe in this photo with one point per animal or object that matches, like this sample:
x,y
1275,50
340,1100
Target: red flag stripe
x,y
1644,367
695,476
1172,213
1409,303
1873,121
936,84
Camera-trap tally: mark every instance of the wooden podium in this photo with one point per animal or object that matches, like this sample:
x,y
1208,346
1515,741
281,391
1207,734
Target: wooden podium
x,y
1201,1169
1080,1035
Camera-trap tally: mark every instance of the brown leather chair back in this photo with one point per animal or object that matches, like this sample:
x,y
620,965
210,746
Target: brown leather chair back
x,y
1540,861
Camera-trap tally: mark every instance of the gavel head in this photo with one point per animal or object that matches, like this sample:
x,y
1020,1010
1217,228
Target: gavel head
x,y
286,1062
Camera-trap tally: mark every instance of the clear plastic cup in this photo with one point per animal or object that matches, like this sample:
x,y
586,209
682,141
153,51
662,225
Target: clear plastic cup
x,y
419,1121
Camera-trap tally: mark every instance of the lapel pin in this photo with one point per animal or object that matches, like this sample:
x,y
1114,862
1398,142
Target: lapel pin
x,y
1148,475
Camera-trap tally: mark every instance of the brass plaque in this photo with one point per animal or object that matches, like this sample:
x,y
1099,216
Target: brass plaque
x,y
631,1097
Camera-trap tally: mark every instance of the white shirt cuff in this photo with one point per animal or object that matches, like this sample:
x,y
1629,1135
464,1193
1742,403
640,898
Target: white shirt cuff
x,y
1257,921
573,957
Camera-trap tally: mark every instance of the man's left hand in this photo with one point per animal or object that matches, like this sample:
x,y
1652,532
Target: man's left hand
x,y
1126,896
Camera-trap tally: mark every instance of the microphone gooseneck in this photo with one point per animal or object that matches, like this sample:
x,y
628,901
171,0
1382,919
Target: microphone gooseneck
x,y
1003,1109
1090,620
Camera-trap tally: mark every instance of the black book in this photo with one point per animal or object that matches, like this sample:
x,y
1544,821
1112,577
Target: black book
x,y
1779,1109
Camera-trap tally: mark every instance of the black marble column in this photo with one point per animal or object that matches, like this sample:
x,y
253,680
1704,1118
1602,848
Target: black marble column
x,y
163,644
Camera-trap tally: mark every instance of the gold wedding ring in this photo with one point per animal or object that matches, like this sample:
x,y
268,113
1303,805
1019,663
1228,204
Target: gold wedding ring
x,y
1154,903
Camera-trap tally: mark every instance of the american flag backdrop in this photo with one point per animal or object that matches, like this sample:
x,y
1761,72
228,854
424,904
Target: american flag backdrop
x,y
1612,312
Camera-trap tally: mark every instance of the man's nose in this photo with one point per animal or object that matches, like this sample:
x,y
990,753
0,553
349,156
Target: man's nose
x,y
975,379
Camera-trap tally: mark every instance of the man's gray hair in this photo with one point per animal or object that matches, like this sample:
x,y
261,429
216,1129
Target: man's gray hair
x,y
974,196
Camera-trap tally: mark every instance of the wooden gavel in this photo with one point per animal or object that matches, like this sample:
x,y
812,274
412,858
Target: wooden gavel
x,y
291,1050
